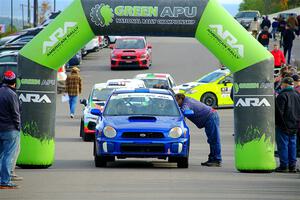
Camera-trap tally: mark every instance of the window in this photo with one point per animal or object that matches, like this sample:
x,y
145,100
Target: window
x,y
8,58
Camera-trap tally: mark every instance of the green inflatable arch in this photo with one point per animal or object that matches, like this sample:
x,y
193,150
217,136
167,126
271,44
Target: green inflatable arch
x,y
205,20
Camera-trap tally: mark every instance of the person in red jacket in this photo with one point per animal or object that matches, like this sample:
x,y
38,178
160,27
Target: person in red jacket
x,y
279,58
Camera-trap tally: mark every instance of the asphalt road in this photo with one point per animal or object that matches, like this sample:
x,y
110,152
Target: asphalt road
x,y
73,176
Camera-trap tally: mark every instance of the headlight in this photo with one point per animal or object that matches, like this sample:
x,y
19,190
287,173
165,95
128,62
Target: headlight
x,y
175,132
191,92
144,56
109,132
113,55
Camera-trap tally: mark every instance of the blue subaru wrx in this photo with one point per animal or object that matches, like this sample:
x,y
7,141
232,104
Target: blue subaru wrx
x,y
141,123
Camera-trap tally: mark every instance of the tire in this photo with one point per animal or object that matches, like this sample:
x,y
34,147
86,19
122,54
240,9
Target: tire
x,y
81,128
106,42
101,161
210,99
183,162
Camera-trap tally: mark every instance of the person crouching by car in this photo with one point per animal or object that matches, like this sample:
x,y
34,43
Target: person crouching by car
x,y
208,118
73,88
287,116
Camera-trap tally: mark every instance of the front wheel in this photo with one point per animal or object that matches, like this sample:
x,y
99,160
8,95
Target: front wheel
x,y
209,99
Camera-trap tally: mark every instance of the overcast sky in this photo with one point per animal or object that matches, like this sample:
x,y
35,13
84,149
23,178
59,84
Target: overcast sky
x,y
230,1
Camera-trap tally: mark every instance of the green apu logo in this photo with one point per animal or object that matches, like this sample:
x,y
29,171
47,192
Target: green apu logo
x,y
102,15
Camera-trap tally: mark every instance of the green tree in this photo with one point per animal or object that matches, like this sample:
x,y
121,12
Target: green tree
x,y
269,6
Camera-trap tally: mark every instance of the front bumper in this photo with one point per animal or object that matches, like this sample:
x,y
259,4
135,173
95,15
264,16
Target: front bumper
x,y
142,148
139,63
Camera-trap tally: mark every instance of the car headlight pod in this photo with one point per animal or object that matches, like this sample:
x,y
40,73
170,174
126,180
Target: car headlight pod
x,y
143,56
109,132
175,132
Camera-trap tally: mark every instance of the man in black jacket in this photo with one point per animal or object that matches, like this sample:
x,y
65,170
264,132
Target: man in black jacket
x,y
288,40
287,115
9,128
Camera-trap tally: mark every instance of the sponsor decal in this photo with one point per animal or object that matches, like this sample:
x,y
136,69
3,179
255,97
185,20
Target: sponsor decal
x,y
227,40
238,86
34,98
59,37
32,81
252,102
103,15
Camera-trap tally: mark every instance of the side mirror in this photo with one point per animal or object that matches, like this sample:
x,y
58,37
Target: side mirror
x,y
149,46
188,113
96,112
111,46
83,102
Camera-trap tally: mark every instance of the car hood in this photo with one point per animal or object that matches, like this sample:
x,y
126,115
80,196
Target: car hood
x,y
187,86
129,51
152,123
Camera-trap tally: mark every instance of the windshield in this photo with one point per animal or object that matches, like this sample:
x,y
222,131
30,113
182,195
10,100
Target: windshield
x,y
246,15
145,104
150,83
130,44
211,77
101,94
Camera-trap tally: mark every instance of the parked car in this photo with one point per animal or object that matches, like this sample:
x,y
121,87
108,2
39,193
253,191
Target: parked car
x,y
212,89
97,99
131,52
91,46
9,56
76,60
107,40
246,17
141,123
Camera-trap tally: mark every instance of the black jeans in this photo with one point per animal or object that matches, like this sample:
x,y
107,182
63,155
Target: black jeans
x,y
288,49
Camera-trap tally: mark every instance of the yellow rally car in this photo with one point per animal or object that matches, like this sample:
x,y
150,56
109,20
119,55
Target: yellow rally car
x,y
212,89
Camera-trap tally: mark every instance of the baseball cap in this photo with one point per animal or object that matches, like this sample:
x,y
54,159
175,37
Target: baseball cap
x,y
9,77
288,80
296,77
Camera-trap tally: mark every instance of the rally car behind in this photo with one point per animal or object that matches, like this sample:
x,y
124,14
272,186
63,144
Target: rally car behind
x,y
97,99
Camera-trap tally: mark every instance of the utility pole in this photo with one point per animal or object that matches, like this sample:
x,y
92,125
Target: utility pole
x,y
28,13
54,5
22,7
11,15
35,13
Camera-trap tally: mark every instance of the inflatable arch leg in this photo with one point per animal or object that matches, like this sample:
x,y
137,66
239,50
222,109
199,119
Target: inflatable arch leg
x,y
205,20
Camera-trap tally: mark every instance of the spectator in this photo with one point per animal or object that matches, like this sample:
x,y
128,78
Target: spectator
x,y
264,37
73,87
284,72
265,23
292,22
279,59
296,79
287,115
298,30
288,40
9,128
204,117
275,26
281,28
254,27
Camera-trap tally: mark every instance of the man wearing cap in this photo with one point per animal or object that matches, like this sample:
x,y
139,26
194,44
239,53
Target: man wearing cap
x,y
73,87
9,127
297,88
287,115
